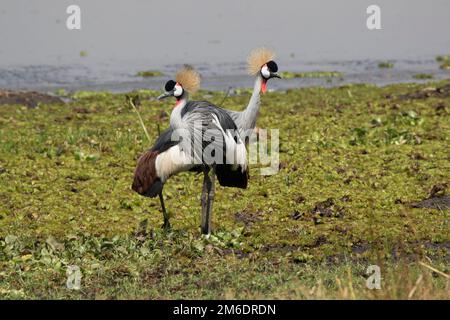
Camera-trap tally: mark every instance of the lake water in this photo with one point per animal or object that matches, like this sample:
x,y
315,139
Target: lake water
x,y
38,52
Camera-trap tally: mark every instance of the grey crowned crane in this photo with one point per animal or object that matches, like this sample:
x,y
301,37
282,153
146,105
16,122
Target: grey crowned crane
x,y
209,143
261,64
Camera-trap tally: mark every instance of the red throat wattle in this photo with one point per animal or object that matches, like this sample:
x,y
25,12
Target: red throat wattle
x,y
264,86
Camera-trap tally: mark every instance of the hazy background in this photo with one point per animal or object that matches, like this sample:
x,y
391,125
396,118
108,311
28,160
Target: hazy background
x,y
121,37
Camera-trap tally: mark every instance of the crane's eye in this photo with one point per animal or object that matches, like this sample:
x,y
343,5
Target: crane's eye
x,y
170,85
273,67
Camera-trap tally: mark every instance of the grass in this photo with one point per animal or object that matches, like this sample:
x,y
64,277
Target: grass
x,y
352,159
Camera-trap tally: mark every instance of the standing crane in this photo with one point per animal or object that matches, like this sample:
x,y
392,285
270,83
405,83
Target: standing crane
x,y
202,126
156,165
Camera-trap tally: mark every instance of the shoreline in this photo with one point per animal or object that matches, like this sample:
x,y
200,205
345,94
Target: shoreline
x,y
31,98
121,78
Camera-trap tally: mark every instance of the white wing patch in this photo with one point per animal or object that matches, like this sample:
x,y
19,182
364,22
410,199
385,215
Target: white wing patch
x,y
172,161
236,153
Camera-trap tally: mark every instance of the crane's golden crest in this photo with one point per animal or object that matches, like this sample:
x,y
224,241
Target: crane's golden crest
x,y
257,58
188,78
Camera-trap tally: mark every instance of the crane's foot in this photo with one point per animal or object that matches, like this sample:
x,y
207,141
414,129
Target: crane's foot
x,y
206,230
166,225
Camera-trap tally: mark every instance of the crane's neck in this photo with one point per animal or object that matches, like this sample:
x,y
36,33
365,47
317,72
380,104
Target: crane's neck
x,y
249,115
175,116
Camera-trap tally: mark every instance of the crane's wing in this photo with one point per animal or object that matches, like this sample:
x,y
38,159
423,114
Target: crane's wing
x,y
157,164
214,138
146,181
164,141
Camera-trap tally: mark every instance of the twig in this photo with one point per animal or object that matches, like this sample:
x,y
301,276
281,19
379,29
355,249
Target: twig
x,y
226,96
435,270
130,100
413,290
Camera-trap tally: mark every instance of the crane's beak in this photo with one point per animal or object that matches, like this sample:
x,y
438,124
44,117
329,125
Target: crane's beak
x,y
275,75
165,95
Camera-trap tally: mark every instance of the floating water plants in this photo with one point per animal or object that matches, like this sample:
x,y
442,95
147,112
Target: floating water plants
x,y
444,62
311,74
149,74
385,65
423,76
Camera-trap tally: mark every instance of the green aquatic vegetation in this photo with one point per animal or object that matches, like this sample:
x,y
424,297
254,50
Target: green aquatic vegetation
x,y
423,76
443,58
61,92
445,65
444,62
352,160
90,94
149,73
385,65
311,74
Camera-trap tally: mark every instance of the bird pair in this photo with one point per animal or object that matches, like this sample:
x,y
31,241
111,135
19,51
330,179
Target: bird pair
x,y
212,138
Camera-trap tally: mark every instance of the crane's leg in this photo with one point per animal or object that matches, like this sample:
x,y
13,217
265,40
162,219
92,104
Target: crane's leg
x,y
204,197
211,195
166,224
206,220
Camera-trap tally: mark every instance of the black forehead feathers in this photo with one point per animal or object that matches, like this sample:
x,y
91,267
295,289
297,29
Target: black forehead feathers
x,y
272,66
170,85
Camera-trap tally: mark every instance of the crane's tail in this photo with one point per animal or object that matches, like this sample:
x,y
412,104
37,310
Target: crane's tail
x,y
234,172
230,176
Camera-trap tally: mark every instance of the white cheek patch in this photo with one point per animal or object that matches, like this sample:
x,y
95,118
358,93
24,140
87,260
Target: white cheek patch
x,y
265,72
178,90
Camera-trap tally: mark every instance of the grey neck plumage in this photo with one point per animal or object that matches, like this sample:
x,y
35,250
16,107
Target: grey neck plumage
x,y
247,118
